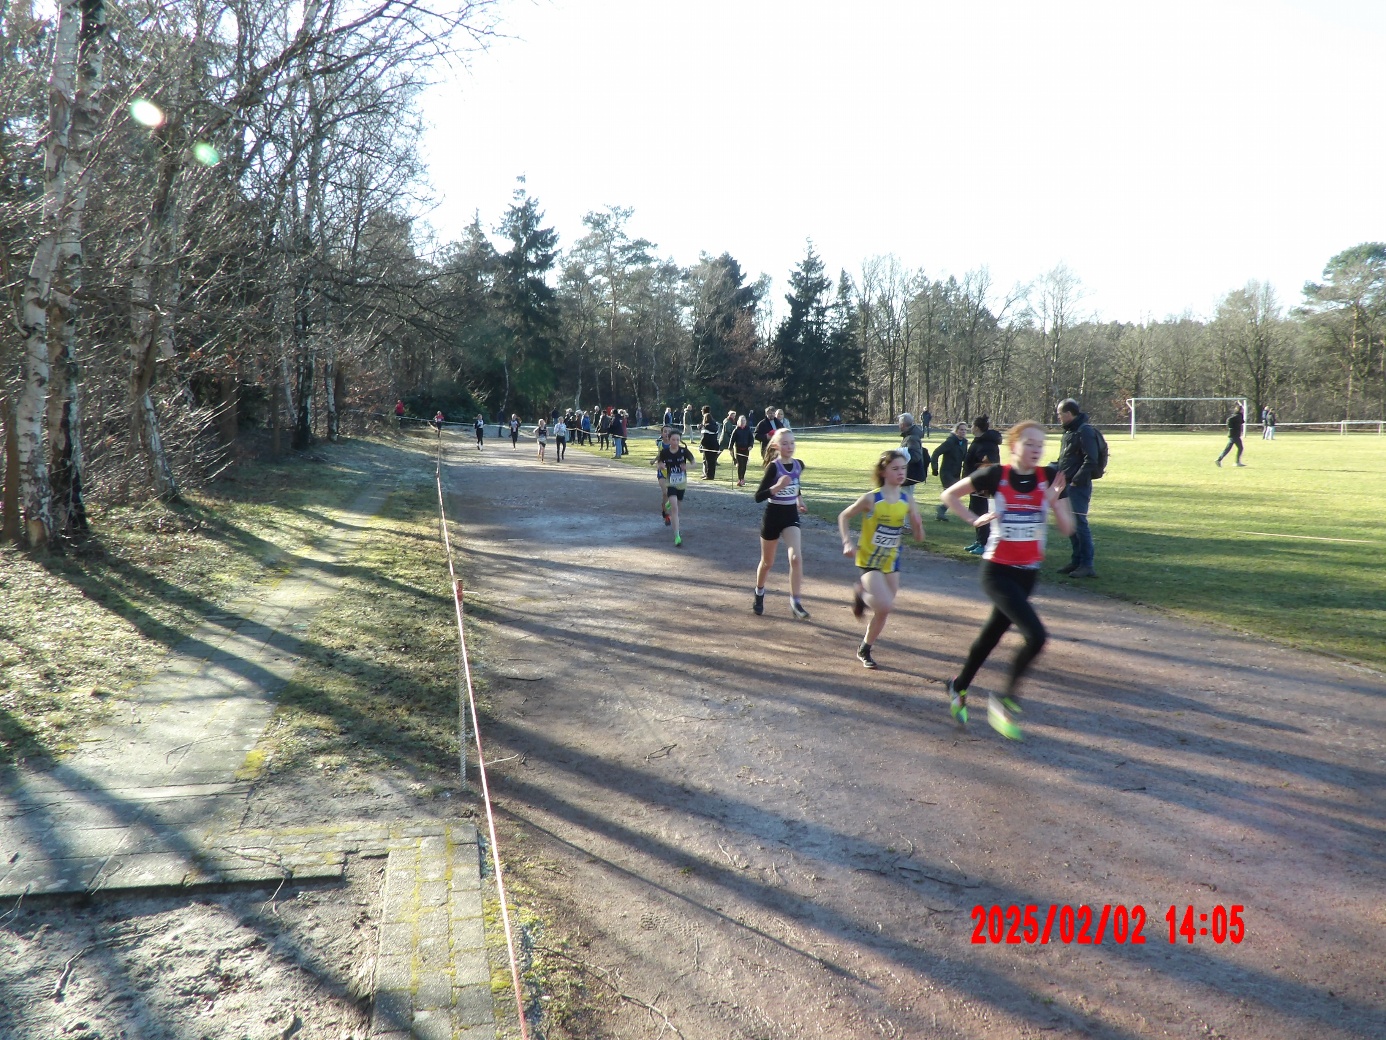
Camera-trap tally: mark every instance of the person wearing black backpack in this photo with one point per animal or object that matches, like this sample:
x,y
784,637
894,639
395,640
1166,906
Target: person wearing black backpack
x,y
1082,459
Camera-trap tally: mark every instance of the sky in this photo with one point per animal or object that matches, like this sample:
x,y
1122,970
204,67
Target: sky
x,y
1165,152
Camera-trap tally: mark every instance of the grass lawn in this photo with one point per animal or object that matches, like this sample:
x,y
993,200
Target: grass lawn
x,y
1291,547
80,630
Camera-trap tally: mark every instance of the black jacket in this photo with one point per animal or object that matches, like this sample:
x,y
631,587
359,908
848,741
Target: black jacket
x,y
709,431
952,451
912,440
764,429
1078,451
742,437
1235,422
985,449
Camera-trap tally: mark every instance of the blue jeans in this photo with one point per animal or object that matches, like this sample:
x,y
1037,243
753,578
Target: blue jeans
x,y
1079,498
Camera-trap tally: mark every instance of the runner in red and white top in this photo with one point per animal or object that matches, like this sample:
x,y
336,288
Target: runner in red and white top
x,y
1023,496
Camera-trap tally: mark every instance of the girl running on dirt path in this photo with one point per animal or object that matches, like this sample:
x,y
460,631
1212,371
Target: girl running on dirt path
x,y
541,436
885,512
480,427
514,430
673,460
1023,495
662,473
780,485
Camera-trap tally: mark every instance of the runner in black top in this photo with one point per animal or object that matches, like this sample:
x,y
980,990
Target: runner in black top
x,y
779,488
480,425
673,460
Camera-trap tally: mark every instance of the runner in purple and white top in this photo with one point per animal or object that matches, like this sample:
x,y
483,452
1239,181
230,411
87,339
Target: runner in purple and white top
x,y
779,489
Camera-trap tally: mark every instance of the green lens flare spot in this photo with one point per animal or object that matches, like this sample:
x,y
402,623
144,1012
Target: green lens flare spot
x,y
206,154
146,113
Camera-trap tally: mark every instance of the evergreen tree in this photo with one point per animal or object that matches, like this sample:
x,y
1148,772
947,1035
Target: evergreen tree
x,y
727,366
801,351
526,304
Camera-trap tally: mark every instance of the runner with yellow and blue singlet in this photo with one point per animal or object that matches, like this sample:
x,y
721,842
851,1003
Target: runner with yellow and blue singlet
x,y
885,513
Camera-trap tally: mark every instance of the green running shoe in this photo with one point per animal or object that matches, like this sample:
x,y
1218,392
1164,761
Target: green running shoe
x,y
957,704
1001,720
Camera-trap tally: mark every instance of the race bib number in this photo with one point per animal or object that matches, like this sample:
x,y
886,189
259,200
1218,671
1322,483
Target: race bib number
x,y
677,478
886,538
790,493
1022,527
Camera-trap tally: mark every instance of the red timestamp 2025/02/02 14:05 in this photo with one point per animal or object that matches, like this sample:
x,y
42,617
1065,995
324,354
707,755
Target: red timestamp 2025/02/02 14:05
x,y
1092,925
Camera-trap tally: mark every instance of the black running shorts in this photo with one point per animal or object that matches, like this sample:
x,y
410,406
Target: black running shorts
x,y
777,519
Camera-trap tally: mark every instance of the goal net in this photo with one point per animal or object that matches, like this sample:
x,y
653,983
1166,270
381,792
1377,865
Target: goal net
x,y
1183,413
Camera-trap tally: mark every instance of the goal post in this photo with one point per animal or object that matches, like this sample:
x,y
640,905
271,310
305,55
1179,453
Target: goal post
x,y
1131,403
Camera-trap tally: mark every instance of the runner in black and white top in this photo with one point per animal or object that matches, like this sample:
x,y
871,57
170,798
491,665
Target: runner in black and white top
x,y
480,426
514,430
672,461
779,489
1023,496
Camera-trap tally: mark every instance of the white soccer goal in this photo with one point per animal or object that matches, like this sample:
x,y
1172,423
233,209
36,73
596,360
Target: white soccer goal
x,y
1131,403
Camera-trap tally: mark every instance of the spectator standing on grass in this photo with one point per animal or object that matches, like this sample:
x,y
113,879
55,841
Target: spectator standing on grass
x,y
668,415
742,438
687,419
728,425
618,433
1270,425
586,428
1235,423
707,443
399,414
781,423
952,452
1078,461
764,429
604,430
912,440
639,418
985,450
926,420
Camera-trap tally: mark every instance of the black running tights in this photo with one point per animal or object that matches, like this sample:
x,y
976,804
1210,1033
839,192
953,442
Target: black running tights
x,y
1009,590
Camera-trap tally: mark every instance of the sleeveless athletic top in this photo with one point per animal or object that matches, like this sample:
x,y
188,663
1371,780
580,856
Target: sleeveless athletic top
x,y
1018,533
790,495
881,530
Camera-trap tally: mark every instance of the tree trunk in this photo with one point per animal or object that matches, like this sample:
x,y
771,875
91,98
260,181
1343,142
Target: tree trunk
x,y
302,439
228,409
64,407
35,490
13,530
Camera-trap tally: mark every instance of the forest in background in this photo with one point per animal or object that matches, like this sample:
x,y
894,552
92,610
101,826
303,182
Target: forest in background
x,y
209,238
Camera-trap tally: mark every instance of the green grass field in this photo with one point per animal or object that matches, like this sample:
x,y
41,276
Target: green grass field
x,y
1292,547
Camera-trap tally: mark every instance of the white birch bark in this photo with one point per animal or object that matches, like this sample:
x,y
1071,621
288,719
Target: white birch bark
x,y
35,491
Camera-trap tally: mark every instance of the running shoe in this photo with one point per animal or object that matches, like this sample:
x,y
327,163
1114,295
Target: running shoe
x,y
957,703
864,656
1002,719
678,541
759,608
1012,705
1241,465
797,609
1219,462
976,549
858,604
668,522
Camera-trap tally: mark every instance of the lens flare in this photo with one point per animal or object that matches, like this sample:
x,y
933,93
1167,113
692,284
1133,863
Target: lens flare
x,y
146,113
206,154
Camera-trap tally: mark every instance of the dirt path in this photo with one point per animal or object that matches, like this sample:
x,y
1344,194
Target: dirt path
x,y
763,840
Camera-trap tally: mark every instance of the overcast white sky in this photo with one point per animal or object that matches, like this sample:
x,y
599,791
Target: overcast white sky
x,y
1166,151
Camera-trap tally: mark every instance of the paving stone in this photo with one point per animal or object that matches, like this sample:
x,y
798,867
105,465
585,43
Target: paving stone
x,y
396,940
470,968
431,952
432,1025
433,893
468,934
391,1013
392,973
434,991
473,1005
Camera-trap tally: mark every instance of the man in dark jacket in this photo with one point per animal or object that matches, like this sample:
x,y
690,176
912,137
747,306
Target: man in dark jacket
x,y
1078,452
985,450
912,440
952,452
764,429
